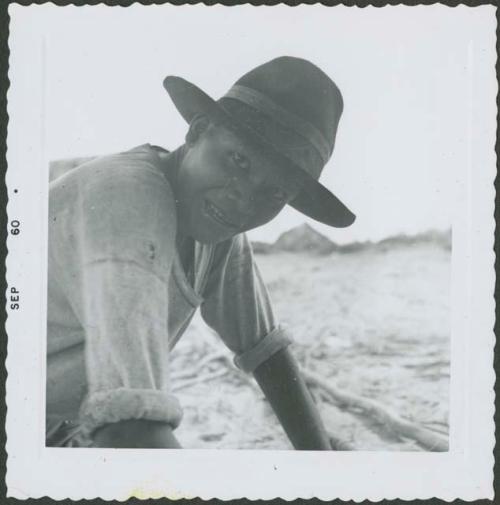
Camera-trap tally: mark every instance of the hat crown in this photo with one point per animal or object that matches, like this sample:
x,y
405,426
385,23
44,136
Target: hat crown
x,y
301,88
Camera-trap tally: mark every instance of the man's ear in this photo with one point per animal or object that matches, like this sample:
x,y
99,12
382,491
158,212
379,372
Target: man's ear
x,y
199,124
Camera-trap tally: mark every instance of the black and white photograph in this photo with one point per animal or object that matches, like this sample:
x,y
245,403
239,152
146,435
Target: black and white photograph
x,y
259,230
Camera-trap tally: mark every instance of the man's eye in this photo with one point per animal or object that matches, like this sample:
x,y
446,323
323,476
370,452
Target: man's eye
x,y
279,195
239,160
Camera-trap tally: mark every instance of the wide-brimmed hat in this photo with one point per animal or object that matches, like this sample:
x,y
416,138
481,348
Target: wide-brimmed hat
x,y
291,108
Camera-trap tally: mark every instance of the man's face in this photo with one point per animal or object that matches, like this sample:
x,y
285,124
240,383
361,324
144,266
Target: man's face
x,y
226,186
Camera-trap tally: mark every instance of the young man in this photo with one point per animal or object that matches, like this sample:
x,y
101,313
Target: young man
x,y
141,239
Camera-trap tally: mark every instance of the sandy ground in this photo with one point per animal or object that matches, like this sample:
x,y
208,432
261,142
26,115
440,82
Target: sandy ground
x,y
372,323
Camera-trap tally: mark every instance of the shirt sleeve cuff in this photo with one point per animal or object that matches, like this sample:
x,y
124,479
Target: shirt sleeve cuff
x,y
273,342
124,404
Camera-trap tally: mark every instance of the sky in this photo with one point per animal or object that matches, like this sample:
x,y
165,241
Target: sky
x,y
411,78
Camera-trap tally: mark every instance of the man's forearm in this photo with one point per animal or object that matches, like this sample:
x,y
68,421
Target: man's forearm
x,y
281,381
136,434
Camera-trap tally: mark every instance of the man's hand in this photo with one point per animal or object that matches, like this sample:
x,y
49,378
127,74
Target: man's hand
x,y
281,381
136,434
340,445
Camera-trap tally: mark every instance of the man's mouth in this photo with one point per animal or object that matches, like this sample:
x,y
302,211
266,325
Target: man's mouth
x,y
219,215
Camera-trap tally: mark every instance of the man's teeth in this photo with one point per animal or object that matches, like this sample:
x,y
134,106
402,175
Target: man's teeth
x,y
218,214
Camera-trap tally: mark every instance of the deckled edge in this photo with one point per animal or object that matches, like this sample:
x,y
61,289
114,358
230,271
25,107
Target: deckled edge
x,y
4,117
262,3
496,253
4,86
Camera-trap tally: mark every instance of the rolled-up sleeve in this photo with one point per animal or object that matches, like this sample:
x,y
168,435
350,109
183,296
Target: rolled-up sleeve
x,y
124,240
237,306
126,346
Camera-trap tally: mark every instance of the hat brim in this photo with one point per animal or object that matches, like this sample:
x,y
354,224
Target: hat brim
x,y
314,200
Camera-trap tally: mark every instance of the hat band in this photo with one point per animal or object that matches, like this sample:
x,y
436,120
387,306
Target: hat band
x,y
266,106
288,144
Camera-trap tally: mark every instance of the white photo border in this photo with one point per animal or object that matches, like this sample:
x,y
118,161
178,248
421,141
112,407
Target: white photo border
x,y
33,471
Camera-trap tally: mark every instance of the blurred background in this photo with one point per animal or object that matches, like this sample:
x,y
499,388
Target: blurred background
x,y
369,306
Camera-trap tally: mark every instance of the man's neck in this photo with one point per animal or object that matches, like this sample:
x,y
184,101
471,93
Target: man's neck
x,y
171,162
170,166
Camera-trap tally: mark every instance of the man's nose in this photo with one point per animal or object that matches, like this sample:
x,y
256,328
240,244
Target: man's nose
x,y
240,195
242,192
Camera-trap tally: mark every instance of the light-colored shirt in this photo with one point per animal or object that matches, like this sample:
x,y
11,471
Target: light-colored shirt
x,y
119,299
